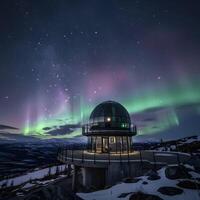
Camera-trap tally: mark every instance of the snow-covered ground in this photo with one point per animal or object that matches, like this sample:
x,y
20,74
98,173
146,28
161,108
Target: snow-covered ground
x,y
166,154
170,146
38,174
190,139
114,192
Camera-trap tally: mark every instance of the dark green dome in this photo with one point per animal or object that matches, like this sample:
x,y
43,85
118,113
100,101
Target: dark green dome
x,y
109,119
110,111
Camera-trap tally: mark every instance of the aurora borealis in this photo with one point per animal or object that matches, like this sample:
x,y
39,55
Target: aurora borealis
x,y
59,59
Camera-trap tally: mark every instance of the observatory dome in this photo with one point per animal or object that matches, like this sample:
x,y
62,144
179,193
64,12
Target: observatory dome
x,y
109,118
111,112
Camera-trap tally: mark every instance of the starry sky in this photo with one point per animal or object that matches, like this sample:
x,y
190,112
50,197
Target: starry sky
x,y
59,59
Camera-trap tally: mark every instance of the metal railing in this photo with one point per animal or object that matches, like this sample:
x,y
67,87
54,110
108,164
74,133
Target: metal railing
x,y
156,159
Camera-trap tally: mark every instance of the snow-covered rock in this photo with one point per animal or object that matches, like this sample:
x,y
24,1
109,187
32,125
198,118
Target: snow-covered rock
x,y
39,174
150,187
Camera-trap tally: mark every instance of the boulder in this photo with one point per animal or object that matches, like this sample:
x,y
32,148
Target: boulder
x,y
153,177
131,180
198,179
177,172
170,191
189,184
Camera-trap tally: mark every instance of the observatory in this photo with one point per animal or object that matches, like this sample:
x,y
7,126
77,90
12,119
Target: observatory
x,y
109,129
109,134
109,156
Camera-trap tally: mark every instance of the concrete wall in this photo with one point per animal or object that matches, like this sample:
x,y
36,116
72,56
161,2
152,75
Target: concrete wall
x,y
93,177
114,173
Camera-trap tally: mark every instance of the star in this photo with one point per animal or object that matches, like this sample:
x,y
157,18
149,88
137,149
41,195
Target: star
x,y
138,42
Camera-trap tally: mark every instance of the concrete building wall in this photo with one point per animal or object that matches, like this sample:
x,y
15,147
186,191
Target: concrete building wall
x,y
116,172
93,177
112,174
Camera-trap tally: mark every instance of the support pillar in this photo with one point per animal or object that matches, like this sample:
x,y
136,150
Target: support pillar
x,y
69,169
74,178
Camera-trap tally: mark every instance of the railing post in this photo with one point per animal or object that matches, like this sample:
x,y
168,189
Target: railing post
x,y
177,146
154,160
87,128
116,144
129,167
128,158
178,158
94,157
127,147
82,156
141,161
120,155
72,154
109,156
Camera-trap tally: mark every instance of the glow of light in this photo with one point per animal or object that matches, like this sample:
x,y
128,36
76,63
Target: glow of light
x,y
158,99
108,119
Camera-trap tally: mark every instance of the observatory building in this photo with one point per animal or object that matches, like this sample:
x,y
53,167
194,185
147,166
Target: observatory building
x,y
109,156
105,159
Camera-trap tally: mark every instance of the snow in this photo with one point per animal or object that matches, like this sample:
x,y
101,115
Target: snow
x,y
150,188
32,175
180,142
194,175
192,139
45,182
20,194
189,166
27,185
165,154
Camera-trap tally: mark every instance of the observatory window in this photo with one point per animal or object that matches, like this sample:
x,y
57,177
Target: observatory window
x,y
98,144
100,119
111,140
125,125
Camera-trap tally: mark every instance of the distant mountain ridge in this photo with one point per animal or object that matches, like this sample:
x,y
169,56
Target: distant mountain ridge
x,y
4,127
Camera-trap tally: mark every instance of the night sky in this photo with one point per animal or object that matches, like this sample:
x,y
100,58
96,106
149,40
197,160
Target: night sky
x,y
59,59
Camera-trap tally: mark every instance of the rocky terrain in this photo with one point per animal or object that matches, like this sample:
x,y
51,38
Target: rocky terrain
x,y
170,182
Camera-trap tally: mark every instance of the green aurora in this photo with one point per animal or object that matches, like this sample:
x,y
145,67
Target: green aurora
x,y
168,98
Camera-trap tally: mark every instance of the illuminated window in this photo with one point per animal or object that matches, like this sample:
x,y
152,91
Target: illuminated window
x,y
111,140
124,125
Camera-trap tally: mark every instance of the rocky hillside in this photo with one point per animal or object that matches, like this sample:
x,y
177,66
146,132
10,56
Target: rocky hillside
x,y
171,182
